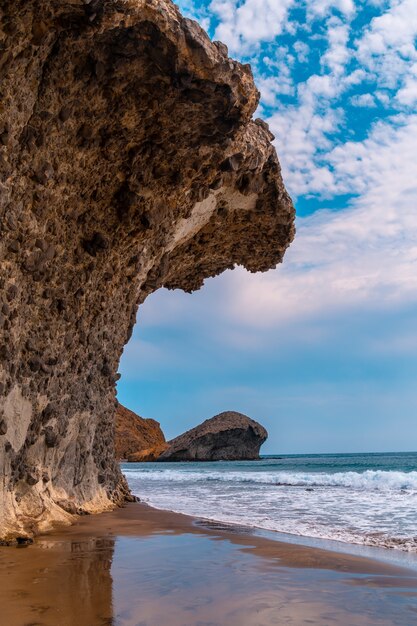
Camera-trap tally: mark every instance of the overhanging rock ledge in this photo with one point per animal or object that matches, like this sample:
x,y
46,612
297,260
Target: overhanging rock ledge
x,y
129,161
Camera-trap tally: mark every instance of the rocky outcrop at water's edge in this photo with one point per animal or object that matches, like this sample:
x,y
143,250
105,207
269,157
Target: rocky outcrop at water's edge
x,y
229,436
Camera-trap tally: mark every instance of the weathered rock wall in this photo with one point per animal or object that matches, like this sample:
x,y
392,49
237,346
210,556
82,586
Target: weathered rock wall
x,y
128,161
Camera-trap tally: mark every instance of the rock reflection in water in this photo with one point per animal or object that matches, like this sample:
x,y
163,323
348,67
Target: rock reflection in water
x,y
65,583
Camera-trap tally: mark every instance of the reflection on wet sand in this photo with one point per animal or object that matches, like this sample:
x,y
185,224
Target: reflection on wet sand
x,y
57,583
142,567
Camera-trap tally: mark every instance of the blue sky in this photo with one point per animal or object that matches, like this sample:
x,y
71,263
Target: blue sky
x,y
322,350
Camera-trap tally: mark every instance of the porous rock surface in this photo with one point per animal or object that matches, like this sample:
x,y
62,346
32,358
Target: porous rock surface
x,y
129,161
137,438
228,436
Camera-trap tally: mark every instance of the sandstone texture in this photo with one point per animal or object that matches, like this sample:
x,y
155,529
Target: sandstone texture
x,y
228,436
137,438
129,161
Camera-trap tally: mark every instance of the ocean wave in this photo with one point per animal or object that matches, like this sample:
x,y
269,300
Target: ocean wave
x,y
294,526
369,480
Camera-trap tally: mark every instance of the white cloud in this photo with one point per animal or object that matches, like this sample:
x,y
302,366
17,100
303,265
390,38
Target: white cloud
x,y
388,154
363,100
387,46
407,95
396,29
248,23
306,130
302,133
271,88
322,8
279,79
302,50
355,78
337,55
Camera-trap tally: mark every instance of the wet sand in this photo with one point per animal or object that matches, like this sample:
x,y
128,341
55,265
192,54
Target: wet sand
x,y
141,567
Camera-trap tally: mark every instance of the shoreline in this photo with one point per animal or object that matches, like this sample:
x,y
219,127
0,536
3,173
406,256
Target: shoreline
x,y
139,519
356,506
390,556
140,565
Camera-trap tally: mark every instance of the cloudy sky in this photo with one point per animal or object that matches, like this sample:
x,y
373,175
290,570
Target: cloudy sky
x,y
322,350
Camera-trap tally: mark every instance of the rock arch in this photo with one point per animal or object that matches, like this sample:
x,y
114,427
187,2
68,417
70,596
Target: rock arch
x,y
128,161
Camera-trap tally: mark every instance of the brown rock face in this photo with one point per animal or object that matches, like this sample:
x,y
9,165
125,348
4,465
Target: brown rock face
x,y
148,455
128,162
136,437
229,436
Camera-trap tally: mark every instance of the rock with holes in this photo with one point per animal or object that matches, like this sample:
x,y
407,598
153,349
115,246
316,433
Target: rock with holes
x,y
129,161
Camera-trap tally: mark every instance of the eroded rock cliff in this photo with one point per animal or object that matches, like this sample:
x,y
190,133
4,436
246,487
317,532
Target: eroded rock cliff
x,y
128,162
137,438
228,436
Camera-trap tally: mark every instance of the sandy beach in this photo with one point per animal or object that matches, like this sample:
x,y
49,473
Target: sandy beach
x,y
139,566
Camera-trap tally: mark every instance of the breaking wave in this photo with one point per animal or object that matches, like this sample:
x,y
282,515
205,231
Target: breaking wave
x,y
359,499
370,480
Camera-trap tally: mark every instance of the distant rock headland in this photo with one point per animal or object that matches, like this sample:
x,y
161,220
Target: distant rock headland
x,y
137,438
229,436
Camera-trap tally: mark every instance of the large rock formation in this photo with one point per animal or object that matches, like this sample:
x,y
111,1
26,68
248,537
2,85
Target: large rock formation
x,y
137,438
228,436
128,161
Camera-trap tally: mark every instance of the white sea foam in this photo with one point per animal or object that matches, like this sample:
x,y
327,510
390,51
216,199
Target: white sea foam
x,y
372,507
369,480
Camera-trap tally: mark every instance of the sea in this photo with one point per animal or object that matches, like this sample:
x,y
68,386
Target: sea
x,y
365,499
